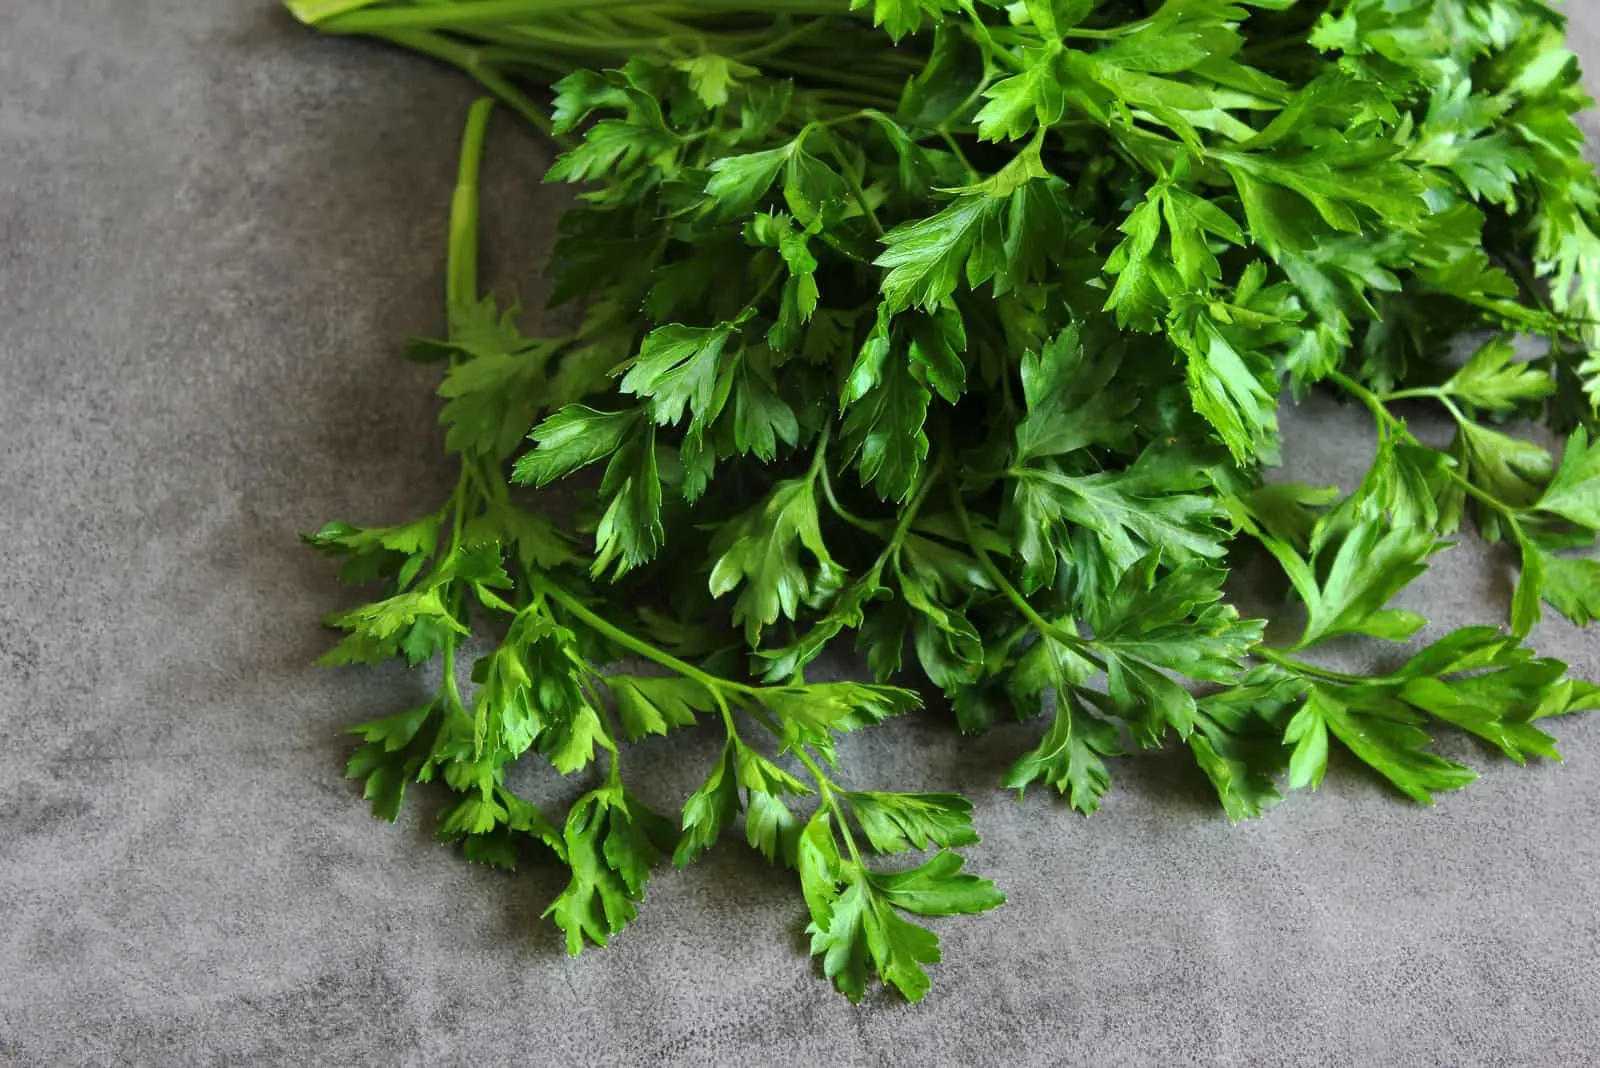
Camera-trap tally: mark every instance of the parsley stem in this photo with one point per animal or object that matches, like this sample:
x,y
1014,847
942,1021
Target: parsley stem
x,y
1011,593
859,194
727,715
819,455
765,718
472,61
860,104
824,784
1373,402
1416,393
1488,500
955,150
819,472
650,652
1300,667
908,515
1455,412
844,513
780,42
1112,34
768,286
461,293
1387,421
449,670
826,790
458,505
992,570
312,12
502,12
461,271
904,59
879,88
608,724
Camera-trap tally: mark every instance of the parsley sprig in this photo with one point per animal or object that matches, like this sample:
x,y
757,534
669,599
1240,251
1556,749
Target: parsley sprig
x,y
954,332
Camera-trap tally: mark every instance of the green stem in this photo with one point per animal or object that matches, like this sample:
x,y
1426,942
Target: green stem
x,y
582,44
1271,655
819,473
458,502
858,193
1530,284
866,525
471,61
461,15
1373,402
879,88
450,686
765,718
1386,422
639,646
1417,393
727,715
826,790
461,270
1124,30
824,783
851,98
908,515
780,42
1011,593
904,59
510,54
312,12
955,150
1489,500
767,287
819,455
609,725
432,16
1455,413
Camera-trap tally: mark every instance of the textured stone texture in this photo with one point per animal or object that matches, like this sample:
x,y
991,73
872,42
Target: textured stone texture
x,y
213,229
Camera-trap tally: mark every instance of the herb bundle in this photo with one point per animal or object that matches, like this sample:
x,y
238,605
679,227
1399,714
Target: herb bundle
x,y
953,332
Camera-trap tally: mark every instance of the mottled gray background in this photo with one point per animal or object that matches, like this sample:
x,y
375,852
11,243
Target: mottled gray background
x,y
214,227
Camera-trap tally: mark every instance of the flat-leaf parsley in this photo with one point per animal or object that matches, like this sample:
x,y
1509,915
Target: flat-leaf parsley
x,y
954,332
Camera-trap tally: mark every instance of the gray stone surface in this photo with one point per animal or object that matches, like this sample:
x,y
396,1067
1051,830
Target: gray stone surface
x,y
213,229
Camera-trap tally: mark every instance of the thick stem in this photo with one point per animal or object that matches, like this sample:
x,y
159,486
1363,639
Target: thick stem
x,y
314,12
472,61
461,271
480,12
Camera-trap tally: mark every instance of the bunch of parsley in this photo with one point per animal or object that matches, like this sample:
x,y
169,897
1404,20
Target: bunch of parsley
x,y
954,332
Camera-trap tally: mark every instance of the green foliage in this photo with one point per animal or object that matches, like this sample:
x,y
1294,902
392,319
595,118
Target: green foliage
x,y
955,334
